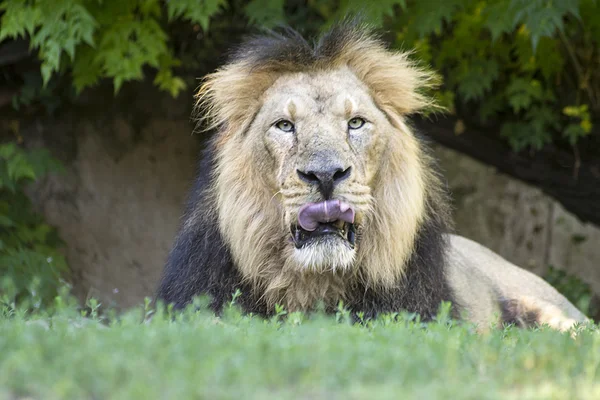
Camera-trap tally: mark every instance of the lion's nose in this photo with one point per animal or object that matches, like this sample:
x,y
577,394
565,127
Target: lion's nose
x,y
326,178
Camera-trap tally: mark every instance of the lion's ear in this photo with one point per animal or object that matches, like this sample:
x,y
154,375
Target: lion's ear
x,y
397,83
231,96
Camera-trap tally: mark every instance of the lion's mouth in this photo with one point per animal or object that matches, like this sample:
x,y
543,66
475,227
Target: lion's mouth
x,y
331,218
339,229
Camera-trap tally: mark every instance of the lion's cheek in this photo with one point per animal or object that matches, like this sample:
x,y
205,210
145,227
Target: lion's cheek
x,y
369,147
274,159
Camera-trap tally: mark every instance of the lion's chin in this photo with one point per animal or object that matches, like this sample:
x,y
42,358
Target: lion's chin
x,y
327,253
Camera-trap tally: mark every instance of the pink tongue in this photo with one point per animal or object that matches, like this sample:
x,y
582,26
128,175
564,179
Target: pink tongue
x,y
311,214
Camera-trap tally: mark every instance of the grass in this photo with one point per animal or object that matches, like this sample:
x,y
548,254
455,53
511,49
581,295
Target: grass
x,y
65,355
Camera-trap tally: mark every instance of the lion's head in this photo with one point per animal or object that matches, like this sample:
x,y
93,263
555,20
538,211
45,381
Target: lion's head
x,y
317,173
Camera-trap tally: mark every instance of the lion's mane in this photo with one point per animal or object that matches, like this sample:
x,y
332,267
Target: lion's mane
x,y
232,237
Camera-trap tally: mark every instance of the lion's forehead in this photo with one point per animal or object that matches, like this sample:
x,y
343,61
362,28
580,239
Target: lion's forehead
x,y
332,91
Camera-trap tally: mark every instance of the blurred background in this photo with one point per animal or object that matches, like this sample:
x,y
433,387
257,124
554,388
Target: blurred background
x,y
97,151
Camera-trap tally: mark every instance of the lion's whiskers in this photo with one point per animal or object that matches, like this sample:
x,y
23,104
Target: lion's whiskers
x,y
275,194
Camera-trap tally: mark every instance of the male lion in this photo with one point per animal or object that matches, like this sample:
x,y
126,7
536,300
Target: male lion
x,y
315,189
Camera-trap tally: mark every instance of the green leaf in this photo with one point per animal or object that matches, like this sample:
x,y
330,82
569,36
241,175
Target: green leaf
x,y
476,78
6,222
18,168
373,12
573,132
128,45
197,11
535,132
590,14
491,106
267,13
20,18
543,17
429,15
500,18
521,93
549,57
71,25
149,8
8,150
42,162
87,68
165,80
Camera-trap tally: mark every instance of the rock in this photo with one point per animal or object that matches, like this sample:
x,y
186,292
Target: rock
x,y
118,207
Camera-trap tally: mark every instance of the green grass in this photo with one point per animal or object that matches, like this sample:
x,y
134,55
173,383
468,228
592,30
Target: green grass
x,y
196,355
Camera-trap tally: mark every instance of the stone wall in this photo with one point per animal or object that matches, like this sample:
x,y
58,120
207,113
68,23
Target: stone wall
x,y
518,221
119,215
119,203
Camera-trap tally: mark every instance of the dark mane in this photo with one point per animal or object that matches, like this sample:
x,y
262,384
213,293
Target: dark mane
x,y
289,50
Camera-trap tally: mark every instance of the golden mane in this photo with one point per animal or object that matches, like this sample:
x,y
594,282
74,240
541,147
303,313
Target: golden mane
x,y
407,193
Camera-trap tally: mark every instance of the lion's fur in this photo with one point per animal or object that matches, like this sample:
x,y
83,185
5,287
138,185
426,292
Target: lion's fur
x,y
237,225
249,218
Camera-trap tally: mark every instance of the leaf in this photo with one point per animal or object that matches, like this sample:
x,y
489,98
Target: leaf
x,y
582,125
590,14
267,13
549,57
372,12
71,25
149,8
476,78
127,46
42,162
521,93
429,15
7,150
87,68
500,18
491,106
165,80
20,18
464,43
6,222
197,11
517,133
573,132
535,132
543,17
18,168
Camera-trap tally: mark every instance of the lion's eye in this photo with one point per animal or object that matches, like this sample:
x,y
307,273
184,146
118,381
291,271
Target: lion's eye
x,y
356,123
285,126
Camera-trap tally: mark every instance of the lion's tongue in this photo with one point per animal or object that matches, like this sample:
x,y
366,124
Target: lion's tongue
x,y
311,214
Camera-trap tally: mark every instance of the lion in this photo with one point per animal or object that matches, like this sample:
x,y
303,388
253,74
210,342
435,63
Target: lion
x,y
316,190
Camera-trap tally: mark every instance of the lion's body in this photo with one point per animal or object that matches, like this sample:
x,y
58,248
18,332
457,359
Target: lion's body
x,y
490,288
301,129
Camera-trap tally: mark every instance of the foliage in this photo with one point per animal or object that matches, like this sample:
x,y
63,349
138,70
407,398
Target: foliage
x,y
516,62
577,291
141,354
30,262
103,38
532,64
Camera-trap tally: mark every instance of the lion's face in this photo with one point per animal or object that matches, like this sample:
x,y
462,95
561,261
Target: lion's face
x,y
315,170
319,139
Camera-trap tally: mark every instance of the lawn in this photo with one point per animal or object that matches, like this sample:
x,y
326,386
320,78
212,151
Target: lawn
x,y
64,355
